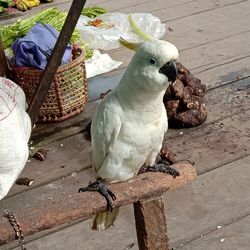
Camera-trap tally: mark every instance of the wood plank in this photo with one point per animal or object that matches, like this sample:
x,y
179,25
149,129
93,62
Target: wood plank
x,y
201,33
234,235
36,214
200,28
196,9
225,72
57,131
192,6
203,56
64,157
114,6
134,6
194,152
227,100
184,7
214,145
214,199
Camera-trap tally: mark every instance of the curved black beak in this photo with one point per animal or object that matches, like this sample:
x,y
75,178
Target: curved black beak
x,y
169,70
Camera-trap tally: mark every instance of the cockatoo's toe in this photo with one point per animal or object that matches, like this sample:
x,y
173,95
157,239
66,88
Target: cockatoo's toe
x,y
164,169
100,187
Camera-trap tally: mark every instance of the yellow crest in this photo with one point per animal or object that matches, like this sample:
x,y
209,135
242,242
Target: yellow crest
x,y
138,32
128,44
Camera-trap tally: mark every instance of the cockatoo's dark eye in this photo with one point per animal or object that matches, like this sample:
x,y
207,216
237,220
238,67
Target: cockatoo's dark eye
x,y
152,60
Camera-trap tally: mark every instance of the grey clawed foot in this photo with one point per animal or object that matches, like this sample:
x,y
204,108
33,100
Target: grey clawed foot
x,y
164,169
101,188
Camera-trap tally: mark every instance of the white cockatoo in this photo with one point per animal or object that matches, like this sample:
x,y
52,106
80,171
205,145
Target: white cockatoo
x,y
15,129
128,126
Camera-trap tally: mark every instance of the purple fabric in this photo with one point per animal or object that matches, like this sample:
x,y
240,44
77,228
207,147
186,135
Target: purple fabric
x,y
34,49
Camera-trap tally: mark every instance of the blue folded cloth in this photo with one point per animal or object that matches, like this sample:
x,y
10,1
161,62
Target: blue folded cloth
x,y
35,48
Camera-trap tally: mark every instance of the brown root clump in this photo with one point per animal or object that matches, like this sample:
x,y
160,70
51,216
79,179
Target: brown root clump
x,y
184,100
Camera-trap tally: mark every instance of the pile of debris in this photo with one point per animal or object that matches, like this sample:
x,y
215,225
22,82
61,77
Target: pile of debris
x,y
184,100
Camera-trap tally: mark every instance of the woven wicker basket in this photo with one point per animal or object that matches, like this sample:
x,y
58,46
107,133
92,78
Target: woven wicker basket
x,y
67,95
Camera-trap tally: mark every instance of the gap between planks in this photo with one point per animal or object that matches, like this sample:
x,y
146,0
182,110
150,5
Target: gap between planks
x,y
219,65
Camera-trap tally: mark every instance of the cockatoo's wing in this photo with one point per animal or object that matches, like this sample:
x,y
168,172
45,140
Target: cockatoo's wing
x,y
105,128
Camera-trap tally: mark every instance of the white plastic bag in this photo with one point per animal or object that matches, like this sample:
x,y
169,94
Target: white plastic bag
x,y
15,130
108,38
99,64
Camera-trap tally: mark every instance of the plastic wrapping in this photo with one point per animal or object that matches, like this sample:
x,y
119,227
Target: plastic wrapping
x,y
99,64
108,38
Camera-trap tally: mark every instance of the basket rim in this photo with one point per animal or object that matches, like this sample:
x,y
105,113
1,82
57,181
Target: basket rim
x,y
60,69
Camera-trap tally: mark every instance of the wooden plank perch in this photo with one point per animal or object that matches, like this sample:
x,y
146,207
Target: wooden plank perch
x,y
41,214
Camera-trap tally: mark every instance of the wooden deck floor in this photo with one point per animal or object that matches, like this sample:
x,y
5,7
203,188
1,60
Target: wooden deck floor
x,y
213,212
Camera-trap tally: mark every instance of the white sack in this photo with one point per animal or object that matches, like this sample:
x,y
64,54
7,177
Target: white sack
x,y
15,130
